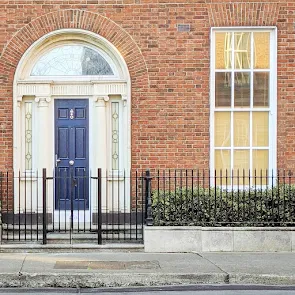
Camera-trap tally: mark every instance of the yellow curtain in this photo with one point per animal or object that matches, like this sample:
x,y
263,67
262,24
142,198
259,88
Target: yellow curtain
x,y
260,166
242,50
222,166
260,129
241,129
222,129
261,50
223,49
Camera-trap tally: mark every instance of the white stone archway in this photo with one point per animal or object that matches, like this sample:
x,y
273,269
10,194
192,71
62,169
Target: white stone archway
x,y
38,94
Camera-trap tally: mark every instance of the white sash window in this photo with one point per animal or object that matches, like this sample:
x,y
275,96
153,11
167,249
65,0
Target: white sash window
x,y
243,104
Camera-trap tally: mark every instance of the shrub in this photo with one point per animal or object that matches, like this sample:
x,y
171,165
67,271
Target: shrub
x,y
216,207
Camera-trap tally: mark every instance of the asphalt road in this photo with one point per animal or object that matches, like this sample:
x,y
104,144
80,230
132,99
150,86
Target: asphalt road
x,y
167,290
224,292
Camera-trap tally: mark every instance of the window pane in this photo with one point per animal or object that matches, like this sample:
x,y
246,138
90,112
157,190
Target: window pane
x,y
242,89
260,128
223,49
71,60
260,166
261,89
28,136
241,167
222,129
241,129
115,135
261,50
222,166
242,50
222,89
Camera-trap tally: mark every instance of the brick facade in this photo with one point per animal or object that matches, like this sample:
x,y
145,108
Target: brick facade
x,y
169,69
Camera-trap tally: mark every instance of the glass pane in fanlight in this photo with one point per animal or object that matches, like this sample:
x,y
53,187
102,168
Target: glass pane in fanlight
x,y
71,60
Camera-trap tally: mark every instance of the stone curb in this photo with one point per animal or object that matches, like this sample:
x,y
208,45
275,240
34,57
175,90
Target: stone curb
x,y
98,280
264,279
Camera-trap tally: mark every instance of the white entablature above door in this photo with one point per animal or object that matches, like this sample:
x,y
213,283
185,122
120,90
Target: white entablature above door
x,y
50,88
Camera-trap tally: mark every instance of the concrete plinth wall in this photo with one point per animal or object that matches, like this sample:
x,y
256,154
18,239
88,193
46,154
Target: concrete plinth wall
x,y
218,239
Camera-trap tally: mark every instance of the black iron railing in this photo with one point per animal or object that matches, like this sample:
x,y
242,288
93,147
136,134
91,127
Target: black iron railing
x,y
222,198
113,206
72,206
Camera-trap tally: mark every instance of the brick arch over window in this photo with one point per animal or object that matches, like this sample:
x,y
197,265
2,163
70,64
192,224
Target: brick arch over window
x,y
63,19
243,13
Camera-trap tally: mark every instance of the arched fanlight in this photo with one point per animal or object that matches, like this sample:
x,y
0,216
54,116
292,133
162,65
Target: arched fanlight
x,y
72,60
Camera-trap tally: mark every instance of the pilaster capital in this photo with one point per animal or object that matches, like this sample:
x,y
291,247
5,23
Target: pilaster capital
x,y
19,98
43,100
101,100
124,99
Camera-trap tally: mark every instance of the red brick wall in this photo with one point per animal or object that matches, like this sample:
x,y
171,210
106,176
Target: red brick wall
x,y
169,69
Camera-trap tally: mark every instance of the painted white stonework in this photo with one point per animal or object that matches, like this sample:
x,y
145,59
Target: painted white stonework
x,y
66,88
178,239
43,91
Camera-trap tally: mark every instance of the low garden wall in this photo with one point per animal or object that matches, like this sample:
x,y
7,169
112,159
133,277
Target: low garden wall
x,y
216,239
193,211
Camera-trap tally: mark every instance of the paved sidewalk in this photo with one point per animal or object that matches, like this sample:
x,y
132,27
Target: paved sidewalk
x,y
103,269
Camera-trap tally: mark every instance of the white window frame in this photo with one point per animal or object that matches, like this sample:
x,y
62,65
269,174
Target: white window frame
x,y
272,98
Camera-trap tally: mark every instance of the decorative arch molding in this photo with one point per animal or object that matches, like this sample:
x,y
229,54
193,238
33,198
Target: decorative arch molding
x,y
75,19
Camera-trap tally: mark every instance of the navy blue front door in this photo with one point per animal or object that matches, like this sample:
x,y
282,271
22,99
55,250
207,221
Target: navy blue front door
x,y
71,152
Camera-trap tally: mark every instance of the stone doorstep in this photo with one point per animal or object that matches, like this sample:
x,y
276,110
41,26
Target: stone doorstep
x,y
33,247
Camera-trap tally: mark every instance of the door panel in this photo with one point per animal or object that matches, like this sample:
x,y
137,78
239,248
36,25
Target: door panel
x,y
63,143
71,149
80,148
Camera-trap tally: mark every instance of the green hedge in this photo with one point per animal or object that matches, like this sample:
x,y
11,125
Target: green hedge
x,y
216,207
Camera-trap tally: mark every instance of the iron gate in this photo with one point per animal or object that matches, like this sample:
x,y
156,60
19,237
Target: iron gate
x,y
116,211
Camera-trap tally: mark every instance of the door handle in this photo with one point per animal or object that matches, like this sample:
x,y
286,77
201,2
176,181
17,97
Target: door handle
x,y
71,162
56,160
